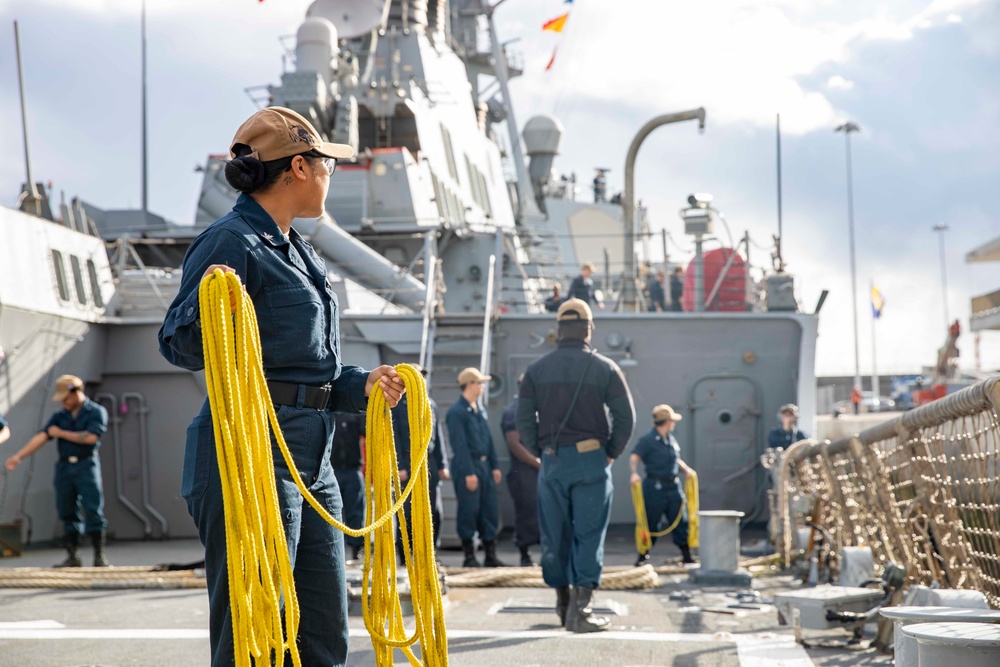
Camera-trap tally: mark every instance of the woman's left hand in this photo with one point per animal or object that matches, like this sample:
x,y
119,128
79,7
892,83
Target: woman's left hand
x,y
386,378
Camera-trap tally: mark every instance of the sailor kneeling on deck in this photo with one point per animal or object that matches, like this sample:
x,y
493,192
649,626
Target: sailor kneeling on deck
x,y
662,492
561,415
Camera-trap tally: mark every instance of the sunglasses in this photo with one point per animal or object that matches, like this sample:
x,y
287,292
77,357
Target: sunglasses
x,y
328,162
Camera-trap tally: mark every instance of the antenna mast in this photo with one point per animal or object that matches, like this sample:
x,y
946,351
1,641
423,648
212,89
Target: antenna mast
x,y
31,191
145,164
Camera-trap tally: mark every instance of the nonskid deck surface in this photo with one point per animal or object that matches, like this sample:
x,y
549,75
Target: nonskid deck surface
x,y
487,626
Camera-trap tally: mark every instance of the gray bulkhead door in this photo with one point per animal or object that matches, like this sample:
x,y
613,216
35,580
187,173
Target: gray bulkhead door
x,y
722,441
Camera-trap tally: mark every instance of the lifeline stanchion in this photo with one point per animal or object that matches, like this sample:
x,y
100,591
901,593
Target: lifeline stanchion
x,y
261,585
643,536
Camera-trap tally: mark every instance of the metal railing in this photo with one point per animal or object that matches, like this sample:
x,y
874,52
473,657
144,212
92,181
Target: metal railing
x,y
921,490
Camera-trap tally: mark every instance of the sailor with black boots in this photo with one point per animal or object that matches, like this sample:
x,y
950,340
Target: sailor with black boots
x,y
77,428
474,470
660,453
562,415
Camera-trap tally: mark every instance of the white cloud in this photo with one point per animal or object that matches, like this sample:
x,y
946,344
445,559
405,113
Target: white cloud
x,y
953,18
838,82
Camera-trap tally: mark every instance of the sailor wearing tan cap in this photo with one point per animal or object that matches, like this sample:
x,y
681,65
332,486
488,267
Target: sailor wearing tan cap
x,y
282,167
561,416
662,493
78,428
474,470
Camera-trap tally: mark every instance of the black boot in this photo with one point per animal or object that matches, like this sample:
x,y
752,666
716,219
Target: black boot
x,y
526,558
71,541
642,559
686,554
470,554
491,559
99,559
562,603
580,618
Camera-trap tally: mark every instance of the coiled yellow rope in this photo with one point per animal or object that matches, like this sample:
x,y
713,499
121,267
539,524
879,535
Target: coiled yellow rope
x,y
643,536
261,585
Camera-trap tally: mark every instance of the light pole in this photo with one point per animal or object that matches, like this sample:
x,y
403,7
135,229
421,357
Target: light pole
x,y
847,128
941,229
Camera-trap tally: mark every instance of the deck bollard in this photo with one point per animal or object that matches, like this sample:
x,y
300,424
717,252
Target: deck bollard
x,y
719,552
953,644
905,647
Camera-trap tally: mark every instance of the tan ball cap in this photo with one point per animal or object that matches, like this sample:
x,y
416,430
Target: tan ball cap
x,y
664,412
277,132
574,310
65,384
472,375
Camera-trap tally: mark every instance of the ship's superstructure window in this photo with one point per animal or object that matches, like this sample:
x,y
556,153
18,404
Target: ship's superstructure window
x,y
449,153
95,284
57,263
81,290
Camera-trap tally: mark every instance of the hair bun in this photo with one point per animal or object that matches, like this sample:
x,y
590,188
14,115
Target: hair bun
x,y
246,173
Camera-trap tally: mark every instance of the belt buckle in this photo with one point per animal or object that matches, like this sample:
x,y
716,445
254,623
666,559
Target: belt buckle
x,y
658,485
551,451
73,459
327,390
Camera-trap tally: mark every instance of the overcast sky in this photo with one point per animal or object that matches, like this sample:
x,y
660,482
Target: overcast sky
x,y
919,76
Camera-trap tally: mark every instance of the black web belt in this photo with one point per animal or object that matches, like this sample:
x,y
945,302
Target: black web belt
x,y
299,395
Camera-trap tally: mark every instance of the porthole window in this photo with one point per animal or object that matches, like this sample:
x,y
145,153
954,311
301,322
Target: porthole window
x,y
61,284
81,290
95,284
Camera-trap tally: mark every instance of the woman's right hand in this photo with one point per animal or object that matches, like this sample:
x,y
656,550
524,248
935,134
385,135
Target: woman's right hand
x,y
471,482
635,479
225,269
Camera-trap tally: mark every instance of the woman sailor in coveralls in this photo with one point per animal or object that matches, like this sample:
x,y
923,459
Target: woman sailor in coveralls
x,y
282,168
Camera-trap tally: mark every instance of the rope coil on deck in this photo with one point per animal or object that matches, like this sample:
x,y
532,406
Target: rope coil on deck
x,y
263,603
689,502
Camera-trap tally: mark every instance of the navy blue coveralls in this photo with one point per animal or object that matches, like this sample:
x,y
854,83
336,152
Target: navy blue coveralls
x,y
574,487
78,472
581,288
345,457
435,462
779,438
522,479
473,454
297,315
661,490
657,297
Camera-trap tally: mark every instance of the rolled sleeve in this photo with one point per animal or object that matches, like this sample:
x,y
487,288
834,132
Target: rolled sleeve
x,y
97,421
348,390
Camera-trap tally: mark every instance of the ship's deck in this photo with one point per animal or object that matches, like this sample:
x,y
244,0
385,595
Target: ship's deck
x,y
42,627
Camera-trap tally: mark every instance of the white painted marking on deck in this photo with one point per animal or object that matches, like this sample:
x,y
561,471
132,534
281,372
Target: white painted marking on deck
x,y
753,650
37,625
771,651
100,633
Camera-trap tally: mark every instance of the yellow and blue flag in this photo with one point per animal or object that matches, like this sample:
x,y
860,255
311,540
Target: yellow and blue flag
x,y
877,303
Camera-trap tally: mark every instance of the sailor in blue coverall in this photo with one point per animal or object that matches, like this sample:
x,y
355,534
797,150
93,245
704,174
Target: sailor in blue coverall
x,y
283,168
788,433
78,428
436,467
662,492
562,413
474,470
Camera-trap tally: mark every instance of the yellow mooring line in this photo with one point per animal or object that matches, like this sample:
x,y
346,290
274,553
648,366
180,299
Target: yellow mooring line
x,y
261,586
